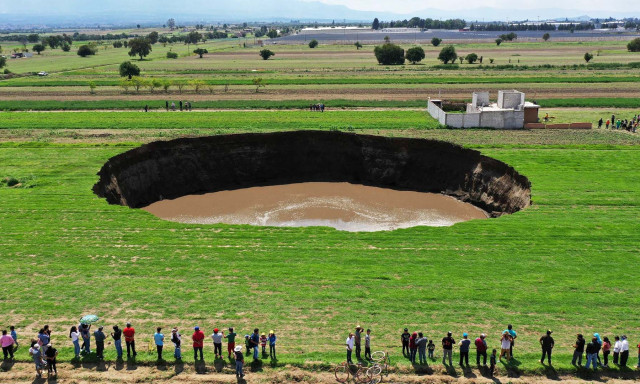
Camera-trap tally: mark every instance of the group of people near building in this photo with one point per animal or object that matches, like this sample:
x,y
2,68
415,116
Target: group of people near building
x,y
629,125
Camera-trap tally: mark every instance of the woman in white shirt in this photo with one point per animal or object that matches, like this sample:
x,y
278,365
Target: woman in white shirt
x,y
505,345
74,335
617,347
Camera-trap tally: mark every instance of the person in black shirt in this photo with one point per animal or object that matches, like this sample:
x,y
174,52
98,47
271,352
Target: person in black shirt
x,y
579,350
447,348
404,337
117,340
50,356
239,357
547,345
592,354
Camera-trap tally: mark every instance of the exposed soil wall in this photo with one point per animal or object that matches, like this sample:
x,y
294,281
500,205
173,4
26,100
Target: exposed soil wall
x,y
170,169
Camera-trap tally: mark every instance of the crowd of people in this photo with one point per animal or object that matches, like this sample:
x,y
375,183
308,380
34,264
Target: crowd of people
x,y
316,107
629,125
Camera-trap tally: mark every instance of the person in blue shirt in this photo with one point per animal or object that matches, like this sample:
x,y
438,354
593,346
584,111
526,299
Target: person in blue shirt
x,y
255,342
14,335
513,337
159,340
272,345
43,337
464,350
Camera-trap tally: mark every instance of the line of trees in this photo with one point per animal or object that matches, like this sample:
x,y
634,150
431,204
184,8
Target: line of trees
x,y
416,22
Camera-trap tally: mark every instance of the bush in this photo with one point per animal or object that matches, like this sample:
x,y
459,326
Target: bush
x,y
634,45
546,37
172,55
66,47
448,54
128,69
358,45
389,54
587,57
415,54
313,43
498,41
471,58
436,41
86,50
266,54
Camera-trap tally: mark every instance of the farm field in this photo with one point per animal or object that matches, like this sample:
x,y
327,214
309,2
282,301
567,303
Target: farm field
x,y
566,263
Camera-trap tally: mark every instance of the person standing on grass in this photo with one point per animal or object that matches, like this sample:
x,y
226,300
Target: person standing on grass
x,y
86,337
607,124
7,345
14,336
367,345
51,356
350,342
239,357
606,350
231,342
413,347
255,342
447,348
180,105
617,346
129,338
263,343
272,344
492,362
600,123
116,335
422,348
465,343
99,336
35,353
217,336
158,338
547,344
597,336
43,340
358,339
513,335
176,339
592,354
624,351
198,342
247,344
431,347
74,335
638,366
404,337
505,345
166,105
578,350
481,349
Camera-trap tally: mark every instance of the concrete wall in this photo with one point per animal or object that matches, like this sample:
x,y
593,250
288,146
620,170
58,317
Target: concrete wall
x,y
510,99
502,119
486,119
480,99
437,113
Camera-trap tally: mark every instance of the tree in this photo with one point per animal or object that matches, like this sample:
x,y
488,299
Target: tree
x,y
66,47
155,83
448,54
138,26
200,52
546,37
33,38
313,43
3,61
172,55
139,82
471,58
171,23
266,54
92,87
587,57
272,34
193,37
197,84
117,44
125,84
358,45
139,47
376,24
128,69
415,54
180,84
389,54
165,85
153,37
258,82
86,50
436,41
387,39
38,48
498,41
634,45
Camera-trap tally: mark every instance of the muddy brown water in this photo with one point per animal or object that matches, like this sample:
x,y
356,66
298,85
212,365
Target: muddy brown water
x,y
343,206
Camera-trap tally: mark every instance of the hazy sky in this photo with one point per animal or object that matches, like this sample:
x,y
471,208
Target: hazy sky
x,y
408,6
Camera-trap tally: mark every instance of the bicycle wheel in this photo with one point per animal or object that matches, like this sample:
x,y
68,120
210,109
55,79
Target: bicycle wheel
x,y
362,376
342,373
378,356
376,380
374,370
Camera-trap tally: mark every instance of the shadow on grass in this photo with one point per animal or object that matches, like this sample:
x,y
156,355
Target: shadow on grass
x,y
256,366
219,364
551,372
178,368
7,365
200,367
422,369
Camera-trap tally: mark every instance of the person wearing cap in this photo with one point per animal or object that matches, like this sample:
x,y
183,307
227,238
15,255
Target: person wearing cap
x,y
465,344
272,344
547,344
158,338
481,349
231,342
367,345
50,355
239,357
36,354
255,342
447,348
421,342
198,342
176,339
624,351
129,338
578,350
263,343
99,336
349,343
358,339
592,354
217,336
513,335
404,337
116,335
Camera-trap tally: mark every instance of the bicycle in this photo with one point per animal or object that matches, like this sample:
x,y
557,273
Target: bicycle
x,y
380,367
357,373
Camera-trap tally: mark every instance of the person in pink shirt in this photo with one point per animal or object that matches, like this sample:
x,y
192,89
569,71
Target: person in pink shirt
x,y
7,344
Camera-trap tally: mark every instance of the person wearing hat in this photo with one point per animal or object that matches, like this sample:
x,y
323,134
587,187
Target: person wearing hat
x,y
239,357
198,342
357,340
367,345
465,344
231,342
176,339
578,350
50,355
217,336
404,337
263,343
35,353
447,348
481,349
99,336
272,345
547,344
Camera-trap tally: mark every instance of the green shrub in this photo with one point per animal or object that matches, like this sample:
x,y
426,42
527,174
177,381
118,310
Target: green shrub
x,y
172,55
389,54
634,45
313,43
415,54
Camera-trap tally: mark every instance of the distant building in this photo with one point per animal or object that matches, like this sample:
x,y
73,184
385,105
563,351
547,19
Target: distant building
x,y
510,112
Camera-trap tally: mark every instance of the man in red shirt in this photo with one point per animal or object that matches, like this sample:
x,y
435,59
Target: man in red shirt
x,y
129,333
198,342
481,349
